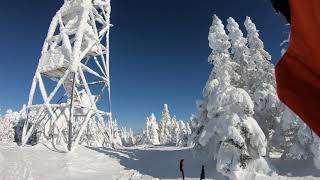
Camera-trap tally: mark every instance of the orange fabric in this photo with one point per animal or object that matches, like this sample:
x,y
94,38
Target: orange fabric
x,y
298,72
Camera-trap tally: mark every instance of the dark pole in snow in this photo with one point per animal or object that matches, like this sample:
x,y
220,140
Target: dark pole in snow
x,y
71,113
181,168
202,175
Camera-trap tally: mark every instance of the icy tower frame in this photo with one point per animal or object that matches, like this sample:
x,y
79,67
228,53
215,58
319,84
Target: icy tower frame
x,y
75,58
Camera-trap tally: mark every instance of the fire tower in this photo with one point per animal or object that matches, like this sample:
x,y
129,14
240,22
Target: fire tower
x,y
72,78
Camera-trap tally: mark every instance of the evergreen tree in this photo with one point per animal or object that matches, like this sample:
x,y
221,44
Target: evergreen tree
x,y
131,139
113,132
154,129
299,142
6,128
8,124
240,53
260,83
175,130
263,70
89,136
165,126
188,129
150,135
225,127
183,134
197,122
127,137
315,149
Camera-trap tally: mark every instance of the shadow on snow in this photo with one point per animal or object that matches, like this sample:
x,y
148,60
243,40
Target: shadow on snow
x,y
160,162
163,162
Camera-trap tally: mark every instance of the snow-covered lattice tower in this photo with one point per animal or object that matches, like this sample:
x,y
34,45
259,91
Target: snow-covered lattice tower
x,y
75,63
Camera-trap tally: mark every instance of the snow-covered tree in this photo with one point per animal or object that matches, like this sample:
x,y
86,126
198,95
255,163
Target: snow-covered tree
x,y
197,121
263,71
113,132
95,134
150,133
226,72
127,137
256,75
290,125
224,128
299,141
188,129
240,52
165,126
281,126
175,130
153,129
88,138
184,133
139,138
10,126
7,127
130,138
315,149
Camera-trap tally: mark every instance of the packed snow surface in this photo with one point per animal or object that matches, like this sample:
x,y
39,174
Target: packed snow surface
x,y
41,163
156,162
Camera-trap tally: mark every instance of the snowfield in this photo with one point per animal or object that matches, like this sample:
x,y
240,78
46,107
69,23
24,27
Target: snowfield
x,y
41,163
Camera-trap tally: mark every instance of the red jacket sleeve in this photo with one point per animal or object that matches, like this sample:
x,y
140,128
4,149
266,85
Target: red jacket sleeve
x,y
298,72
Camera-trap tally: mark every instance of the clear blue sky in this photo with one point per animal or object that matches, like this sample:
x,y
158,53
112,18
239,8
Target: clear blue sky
x,y
159,50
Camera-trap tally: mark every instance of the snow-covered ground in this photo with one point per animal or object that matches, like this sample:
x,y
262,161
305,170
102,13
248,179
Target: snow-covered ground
x,y
41,163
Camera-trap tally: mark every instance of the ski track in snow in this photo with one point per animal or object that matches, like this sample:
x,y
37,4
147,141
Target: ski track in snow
x,y
134,163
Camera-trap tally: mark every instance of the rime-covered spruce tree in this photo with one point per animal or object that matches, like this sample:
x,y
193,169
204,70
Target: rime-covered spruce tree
x,y
131,141
7,123
113,132
268,108
11,124
183,135
299,142
127,137
165,126
256,75
188,129
240,52
150,133
262,70
175,130
225,129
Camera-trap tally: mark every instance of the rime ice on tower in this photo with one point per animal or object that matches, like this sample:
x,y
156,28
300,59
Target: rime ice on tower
x,y
75,58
